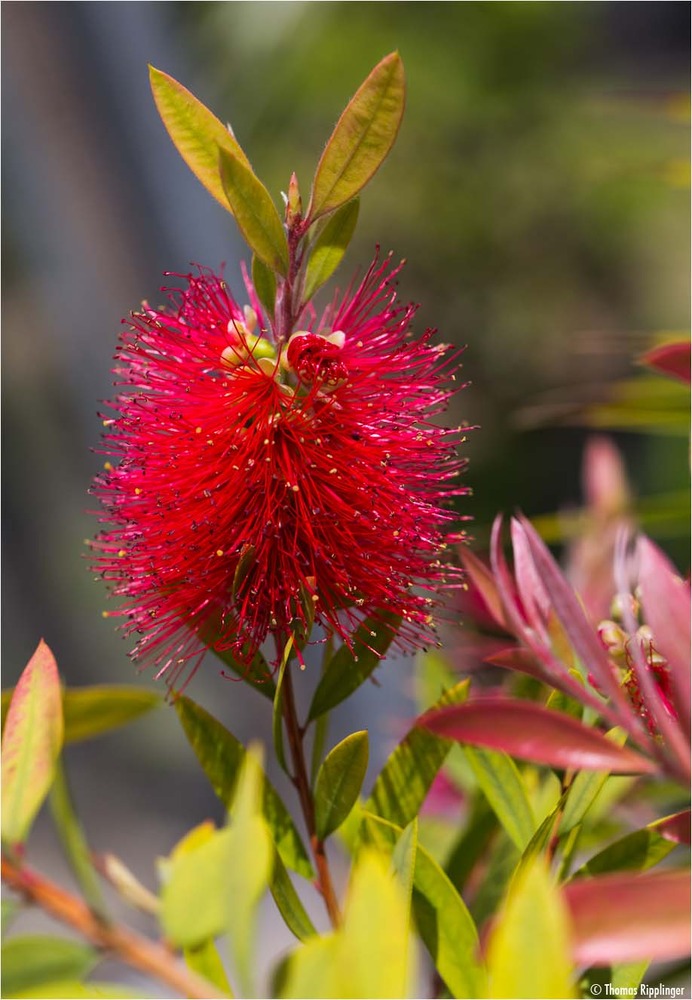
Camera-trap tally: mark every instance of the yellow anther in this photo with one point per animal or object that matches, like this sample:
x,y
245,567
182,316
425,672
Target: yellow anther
x,y
107,466
137,490
219,552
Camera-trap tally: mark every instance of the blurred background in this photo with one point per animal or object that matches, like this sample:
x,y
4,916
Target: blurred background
x,y
539,190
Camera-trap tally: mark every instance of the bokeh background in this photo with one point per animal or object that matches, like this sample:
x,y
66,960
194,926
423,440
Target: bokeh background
x,y
538,189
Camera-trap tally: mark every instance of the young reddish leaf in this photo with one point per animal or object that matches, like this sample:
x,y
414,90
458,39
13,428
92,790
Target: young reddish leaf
x,y
31,744
197,134
362,138
524,729
622,918
482,579
330,247
254,211
670,359
675,827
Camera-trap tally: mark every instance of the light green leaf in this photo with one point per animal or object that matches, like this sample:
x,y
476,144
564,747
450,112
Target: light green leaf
x,y
347,670
501,783
363,137
73,841
625,978
329,248
444,923
264,281
529,948
33,959
311,971
404,858
472,842
339,782
91,711
197,134
221,756
206,962
31,744
72,989
288,902
401,787
585,788
255,212
637,851
10,909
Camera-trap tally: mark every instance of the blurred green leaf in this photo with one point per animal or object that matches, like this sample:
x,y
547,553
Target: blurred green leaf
x,y
329,248
197,134
33,959
255,212
637,851
339,782
10,909
278,708
312,970
627,977
502,785
404,781
288,902
221,756
205,960
404,858
363,137
529,947
69,989
73,841
264,281
585,788
90,711
443,921
654,405
347,670
31,744
472,842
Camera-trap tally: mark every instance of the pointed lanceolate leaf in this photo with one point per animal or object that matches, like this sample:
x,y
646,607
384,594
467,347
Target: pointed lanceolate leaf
x,y
637,851
348,669
31,744
501,783
221,756
197,134
288,902
362,138
264,282
339,781
33,959
254,211
531,732
330,247
670,359
625,918
91,711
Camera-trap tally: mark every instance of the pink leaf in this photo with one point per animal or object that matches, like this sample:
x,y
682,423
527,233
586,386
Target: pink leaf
x,y
530,731
625,918
675,827
670,359
482,579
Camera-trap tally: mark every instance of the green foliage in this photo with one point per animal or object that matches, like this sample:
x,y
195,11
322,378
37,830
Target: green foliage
x,y
254,211
91,711
339,781
264,281
502,785
637,851
73,840
206,961
288,902
329,248
31,744
32,960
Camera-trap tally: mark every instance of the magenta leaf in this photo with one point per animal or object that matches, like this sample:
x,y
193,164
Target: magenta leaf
x,y
624,918
670,359
482,579
532,732
675,827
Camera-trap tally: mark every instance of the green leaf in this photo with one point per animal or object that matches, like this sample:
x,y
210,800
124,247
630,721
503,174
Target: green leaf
x,y
347,670
329,248
278,708
10,909
197,134
529,948
206,962
626,977
74,842
501,783
221,756
72,989
404,858
444,923
363,137
264,281
401,787
31,744
255,212
585,788
637,851
472,842
33,959
91,711
339,782
288,902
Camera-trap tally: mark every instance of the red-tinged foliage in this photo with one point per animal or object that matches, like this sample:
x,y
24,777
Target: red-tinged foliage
x,y
532,732
626,918
670,359
250,482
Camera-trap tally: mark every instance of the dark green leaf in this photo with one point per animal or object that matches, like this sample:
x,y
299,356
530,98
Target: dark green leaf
x,y
32,959
363,137
347,670
339,782
501,783
255,212
400,788
637,851
288,902
472,842
264,280
330,247
221,756
278,708
197,134
31,744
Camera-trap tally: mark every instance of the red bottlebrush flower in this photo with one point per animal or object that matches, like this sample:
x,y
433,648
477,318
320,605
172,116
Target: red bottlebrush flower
x,y
251,484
